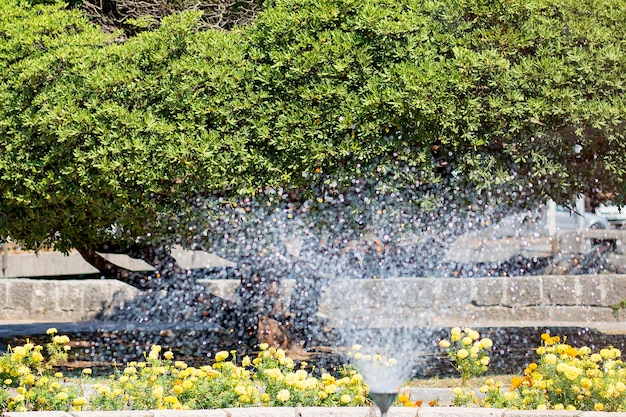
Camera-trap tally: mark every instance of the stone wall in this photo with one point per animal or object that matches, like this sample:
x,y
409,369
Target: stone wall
x,y
372,303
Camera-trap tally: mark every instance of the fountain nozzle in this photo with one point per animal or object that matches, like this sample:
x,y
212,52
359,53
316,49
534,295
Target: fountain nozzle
x,y
383,400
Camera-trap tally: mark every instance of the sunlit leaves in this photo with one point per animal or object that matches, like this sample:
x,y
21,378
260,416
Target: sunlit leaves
x,y
486,93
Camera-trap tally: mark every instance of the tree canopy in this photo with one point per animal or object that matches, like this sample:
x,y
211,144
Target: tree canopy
x,y
100,140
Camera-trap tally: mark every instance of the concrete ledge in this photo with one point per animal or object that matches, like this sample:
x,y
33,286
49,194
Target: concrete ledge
x,y
323,412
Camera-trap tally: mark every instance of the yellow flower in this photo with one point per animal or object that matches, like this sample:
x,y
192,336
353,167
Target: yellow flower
x,y
283,395
467,341
486,343
264,346
87,371
598,406
322,395
51,331
473,334
246,362
29,379
331,389
444,344
79,401
157,391
542,407
265,397
130,370
168,355
572,372
462,353
345,399
595,357
187,384
484,360
62,396
178,389
550,359
274,373
221,356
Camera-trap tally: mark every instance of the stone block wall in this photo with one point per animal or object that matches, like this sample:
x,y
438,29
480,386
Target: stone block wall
x,y
369,303
59,300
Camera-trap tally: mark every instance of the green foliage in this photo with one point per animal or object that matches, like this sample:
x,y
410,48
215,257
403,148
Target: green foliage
x,y
99,139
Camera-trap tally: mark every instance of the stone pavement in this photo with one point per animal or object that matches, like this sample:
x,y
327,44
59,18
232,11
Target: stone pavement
x,y
323,412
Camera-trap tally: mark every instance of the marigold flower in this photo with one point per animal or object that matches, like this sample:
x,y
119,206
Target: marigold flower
x,y
345,399
28,379
168,355
36,357
79,401
62,396
157,391
246,361
550,359
486,343
264,346
444,344
283,395
462,353
331,389
51,331
467,340
473,334
221,356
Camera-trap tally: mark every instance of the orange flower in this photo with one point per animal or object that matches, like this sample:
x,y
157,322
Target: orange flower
x,y
516,382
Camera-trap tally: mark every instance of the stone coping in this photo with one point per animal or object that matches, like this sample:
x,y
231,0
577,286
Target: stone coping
x,y
323,412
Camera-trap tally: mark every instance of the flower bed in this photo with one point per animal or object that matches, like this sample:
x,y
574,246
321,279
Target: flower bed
x,y
160,382
563,377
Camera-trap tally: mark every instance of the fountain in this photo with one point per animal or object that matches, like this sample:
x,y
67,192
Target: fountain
x,y
369,255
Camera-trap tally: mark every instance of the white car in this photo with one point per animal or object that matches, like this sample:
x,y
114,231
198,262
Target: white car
x,y
616,215
533,222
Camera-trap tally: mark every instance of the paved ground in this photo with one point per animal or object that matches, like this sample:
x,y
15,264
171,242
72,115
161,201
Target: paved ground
x,y
325,412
